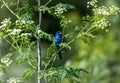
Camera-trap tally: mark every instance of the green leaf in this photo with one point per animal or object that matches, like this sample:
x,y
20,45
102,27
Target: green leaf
x,y
63,74
46,36
28,73
65,45
2,6
59,9
51,50
24,58
1,66
43,8
60,73
1,34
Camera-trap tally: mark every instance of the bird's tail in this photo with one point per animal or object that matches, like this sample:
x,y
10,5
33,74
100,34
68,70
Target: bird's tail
x,y
59,52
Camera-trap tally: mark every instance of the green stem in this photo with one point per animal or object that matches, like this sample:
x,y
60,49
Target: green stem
x,y
11,44
31,65
48,2
48,63
18,4
54,58
10,9
14,40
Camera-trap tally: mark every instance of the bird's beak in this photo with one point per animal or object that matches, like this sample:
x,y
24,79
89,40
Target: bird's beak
x,y
60,32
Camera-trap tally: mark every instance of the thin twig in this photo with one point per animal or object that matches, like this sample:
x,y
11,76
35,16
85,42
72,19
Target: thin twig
x,y
31,65
47,64
18,4
48,2
10,9
54,58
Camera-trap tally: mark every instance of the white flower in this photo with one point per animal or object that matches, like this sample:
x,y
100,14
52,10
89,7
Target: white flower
x,y
39,31
5,22
101,10
91,3
25,34
6,61
30,22
107,30
24,22
60,10
3,26
102,23
14,31
13,80
106,10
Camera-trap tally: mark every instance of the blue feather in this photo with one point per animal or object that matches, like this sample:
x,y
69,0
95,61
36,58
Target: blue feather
x,y
58,40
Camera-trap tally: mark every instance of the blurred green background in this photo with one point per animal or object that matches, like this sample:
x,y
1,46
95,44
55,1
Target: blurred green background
x,y
101,57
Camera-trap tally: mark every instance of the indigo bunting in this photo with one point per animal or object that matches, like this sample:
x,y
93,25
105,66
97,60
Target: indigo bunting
x,y
58,40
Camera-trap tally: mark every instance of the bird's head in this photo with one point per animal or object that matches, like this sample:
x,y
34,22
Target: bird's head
x,y
58,33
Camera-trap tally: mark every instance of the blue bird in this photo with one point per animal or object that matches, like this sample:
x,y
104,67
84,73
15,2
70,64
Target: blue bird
x,y
58,40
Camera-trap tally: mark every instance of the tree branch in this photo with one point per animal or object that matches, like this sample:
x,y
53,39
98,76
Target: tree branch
x,y
39,42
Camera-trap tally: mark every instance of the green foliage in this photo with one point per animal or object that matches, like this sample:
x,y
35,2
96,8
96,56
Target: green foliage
x,y
25,11
51,51
25,58
99,21
28,73
46,36
57,10
65,45
58,74
6,61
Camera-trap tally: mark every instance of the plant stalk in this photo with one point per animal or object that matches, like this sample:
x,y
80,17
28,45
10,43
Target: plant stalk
x,y
39,42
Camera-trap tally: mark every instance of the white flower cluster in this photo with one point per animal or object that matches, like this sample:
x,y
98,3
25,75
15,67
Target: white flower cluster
x,y
91,3
60,10
5,22
6,61
24,22
14,31
102,23
106,10
114,10
13,80
25,34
